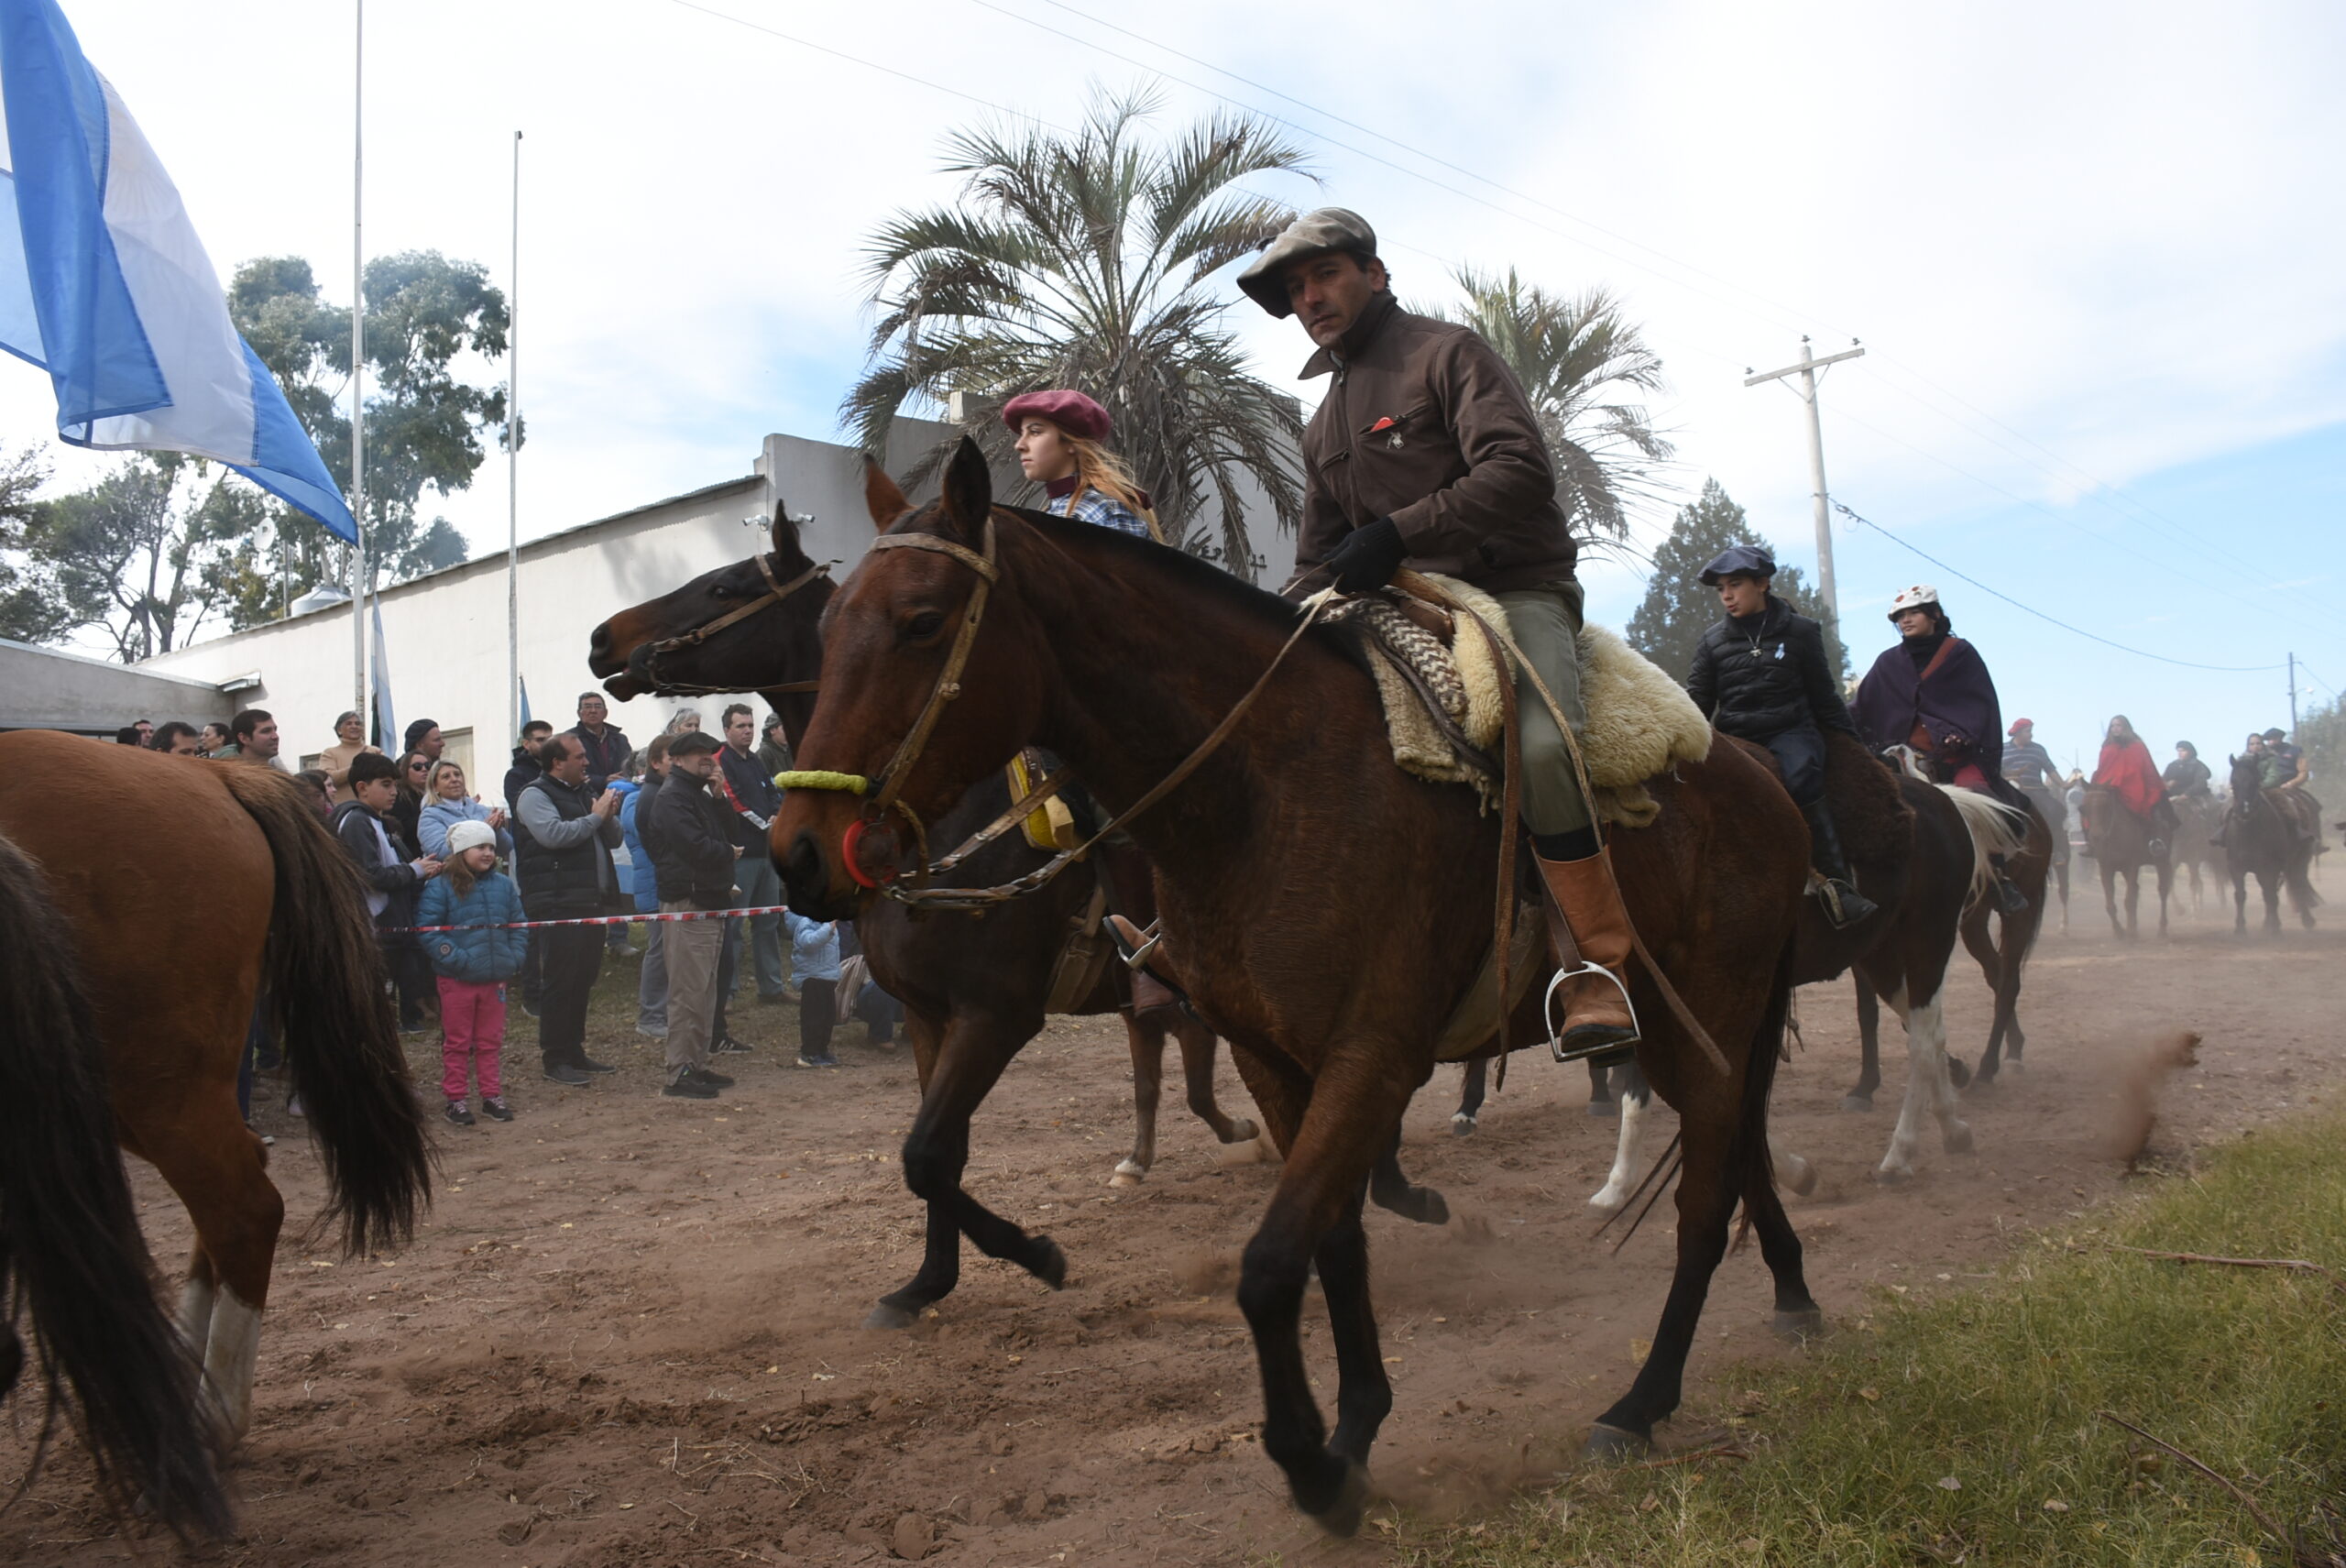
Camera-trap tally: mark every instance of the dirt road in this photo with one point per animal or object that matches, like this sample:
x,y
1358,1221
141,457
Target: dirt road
x,y
628,1333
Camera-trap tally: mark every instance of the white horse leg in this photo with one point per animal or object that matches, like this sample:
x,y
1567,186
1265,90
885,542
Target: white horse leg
x,y
230,1353
195,1312
1637,1102
1898,1164
1930,1020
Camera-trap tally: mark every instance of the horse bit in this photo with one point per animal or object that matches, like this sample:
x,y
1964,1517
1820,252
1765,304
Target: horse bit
x,y
776,591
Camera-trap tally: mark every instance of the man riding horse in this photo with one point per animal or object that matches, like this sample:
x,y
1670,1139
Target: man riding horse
x,y
2030,769
1933,693
2187,778
1427,454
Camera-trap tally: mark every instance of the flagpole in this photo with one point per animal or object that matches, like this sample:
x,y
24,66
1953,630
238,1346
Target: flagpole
x,y
513,467
358,376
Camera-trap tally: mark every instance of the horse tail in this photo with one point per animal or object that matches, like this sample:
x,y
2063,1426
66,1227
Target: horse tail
x,y
1767,1048
327,997
1995,828
70,1247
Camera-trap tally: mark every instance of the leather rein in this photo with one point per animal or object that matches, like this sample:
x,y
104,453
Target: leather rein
x,y
776,591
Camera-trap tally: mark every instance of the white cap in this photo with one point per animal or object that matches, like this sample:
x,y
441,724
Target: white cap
x,y
469,835
1913,597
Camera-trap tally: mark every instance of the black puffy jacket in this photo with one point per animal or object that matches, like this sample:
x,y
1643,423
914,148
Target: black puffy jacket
x,y
1759,675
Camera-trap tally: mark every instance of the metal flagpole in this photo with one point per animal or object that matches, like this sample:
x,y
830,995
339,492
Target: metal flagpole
x,y
513,467
359,377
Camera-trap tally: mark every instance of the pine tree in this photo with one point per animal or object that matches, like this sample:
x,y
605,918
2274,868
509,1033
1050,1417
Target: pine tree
x,y
1678,608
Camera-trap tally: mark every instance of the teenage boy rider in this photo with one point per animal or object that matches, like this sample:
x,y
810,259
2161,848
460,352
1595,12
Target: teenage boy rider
x,y
1426,452
1759,675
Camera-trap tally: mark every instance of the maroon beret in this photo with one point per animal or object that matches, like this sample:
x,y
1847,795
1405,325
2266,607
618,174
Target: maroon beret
x,y
1071,412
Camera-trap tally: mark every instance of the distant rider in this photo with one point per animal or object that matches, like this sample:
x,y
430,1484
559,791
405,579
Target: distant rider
x,y
2127,766
1426,452
2285,762
1933,693
2030,768
1760,675
2186,777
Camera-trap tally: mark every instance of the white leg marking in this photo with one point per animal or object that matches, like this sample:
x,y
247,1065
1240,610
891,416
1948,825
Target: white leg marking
x,y
1129,1173
1614,1196
1898,1164
195,1313
1954,1134
229,1357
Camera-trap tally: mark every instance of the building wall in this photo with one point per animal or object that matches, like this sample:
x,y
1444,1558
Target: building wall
x,y
41,688
445,634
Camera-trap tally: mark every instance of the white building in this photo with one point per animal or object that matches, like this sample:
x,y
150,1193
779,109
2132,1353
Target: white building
x,y
444,633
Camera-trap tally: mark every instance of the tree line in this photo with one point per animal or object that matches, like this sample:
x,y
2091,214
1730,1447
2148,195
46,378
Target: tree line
x,y
1083,259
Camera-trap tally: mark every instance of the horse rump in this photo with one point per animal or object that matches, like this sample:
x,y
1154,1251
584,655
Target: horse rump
x,y
325,982
72,1258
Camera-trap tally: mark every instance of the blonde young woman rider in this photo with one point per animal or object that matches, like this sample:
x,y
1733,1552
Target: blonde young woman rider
x,y
1060,435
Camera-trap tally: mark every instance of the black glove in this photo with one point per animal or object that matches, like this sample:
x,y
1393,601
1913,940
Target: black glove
x,y
1368,557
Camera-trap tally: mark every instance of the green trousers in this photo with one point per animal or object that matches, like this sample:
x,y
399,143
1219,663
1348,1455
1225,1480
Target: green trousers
x,y
1545,623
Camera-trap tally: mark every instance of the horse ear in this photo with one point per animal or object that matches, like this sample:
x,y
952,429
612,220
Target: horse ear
x,y
968,490
880,497
786,532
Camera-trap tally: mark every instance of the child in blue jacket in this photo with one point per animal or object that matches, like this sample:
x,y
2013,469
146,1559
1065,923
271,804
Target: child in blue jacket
x,y
473,965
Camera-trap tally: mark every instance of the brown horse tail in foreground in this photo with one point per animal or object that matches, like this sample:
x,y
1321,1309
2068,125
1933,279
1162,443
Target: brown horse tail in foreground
x,y
322,983
1324,910
70,1253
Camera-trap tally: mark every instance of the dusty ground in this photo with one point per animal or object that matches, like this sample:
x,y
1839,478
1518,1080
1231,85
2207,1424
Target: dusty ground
x,y
628,1333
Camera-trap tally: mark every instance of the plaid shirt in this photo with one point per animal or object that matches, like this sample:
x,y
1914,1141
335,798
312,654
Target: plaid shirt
x,y
1093,507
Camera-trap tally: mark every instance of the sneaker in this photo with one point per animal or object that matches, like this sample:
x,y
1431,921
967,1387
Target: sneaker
x,y
653,1031
493,1106
294,1106
530,1008
589,1063
728,1047
564,1073
415,1029
685,1086
775,998
460,1113
714,1079
826,1059
267,1142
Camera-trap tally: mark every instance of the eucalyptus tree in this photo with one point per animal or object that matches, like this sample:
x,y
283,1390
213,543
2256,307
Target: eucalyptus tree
x,y
1087,260
1587,370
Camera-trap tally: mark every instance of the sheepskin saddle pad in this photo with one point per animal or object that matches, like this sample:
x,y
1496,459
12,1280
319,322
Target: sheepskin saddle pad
x,y
1445,713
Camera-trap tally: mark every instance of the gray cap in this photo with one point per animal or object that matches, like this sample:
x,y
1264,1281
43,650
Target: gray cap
x,y
1316,232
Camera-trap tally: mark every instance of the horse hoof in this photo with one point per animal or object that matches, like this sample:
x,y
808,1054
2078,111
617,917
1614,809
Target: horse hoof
x,y
1461,1125
1800,1327
1242,1131
1125,1178
1893,1176
1613,1445
1795,1175
888,1315
1957,1139
1431,1208
1049,1264
1342,1517
1856,1102
1604,1110
1609,1201
1248,1152
1982,1084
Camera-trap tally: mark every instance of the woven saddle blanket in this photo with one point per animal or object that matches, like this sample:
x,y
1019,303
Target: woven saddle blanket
x,y
1443,703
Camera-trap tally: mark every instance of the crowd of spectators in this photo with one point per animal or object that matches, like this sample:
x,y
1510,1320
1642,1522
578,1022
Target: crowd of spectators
x,y
590,829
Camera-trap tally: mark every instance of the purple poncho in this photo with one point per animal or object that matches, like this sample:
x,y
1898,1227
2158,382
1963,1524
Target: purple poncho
x,y
1958,698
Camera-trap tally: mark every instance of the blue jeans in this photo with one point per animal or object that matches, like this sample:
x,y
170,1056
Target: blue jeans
x,y
761,886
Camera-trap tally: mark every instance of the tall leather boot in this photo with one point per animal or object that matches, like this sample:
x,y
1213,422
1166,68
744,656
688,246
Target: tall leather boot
x,y
1587,906
2009,898
1131,886
1844,904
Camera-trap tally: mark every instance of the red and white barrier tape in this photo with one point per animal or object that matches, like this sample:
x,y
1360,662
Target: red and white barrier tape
x,y
592,920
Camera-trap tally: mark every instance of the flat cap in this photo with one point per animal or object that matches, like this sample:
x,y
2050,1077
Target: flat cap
x,y
1745,560
1072,411
1316,232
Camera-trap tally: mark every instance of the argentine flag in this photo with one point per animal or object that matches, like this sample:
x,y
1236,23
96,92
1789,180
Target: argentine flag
x,y
104,284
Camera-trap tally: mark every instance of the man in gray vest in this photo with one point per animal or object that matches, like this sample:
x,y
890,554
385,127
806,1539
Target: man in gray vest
x,y
1426,452
563,834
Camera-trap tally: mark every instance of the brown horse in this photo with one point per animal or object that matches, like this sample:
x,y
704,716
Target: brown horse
x,y
71,1258
1324,909
188,891
2192,850
2119,842
2026,840
2269,833
973,986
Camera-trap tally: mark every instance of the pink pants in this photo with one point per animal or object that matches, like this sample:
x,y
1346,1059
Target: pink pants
x,y
473,1017
1968,776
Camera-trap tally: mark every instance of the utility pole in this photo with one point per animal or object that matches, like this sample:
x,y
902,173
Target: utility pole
x,y
2293,695
1822,506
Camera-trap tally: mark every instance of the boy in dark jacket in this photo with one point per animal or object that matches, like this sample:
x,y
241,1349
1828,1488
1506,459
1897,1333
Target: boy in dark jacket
x,y
1760,676
693,853
391,882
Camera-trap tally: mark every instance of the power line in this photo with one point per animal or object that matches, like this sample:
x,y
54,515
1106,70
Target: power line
x,y
2090,636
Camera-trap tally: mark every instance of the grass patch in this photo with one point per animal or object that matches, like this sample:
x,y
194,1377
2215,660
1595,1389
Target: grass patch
x,y
1965,1429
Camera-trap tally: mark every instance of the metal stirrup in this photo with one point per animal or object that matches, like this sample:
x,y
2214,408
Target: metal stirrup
x,y
1556,1035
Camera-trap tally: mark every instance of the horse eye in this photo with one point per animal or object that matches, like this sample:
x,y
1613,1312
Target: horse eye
x,y
926,624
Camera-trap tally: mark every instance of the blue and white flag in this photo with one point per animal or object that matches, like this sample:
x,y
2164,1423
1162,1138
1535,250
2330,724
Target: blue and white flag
x,y
105,285
387,723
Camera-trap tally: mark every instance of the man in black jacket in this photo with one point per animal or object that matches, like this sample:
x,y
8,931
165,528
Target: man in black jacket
x,y
392,882
1760,675
694,856
525,768
747,784
563,834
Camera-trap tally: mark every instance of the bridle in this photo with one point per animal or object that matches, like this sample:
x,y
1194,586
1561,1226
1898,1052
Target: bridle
x,y
776,591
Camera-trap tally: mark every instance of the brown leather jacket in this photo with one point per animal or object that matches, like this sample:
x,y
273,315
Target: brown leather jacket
x,y
1425,425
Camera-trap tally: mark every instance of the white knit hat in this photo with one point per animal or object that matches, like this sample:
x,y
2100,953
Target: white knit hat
x,y
469,835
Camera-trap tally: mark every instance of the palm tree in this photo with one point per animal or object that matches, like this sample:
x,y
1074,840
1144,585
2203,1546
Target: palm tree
x,y
1572,354
1083,260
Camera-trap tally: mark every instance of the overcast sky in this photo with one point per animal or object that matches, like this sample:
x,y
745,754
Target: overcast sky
x,y
2094,252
